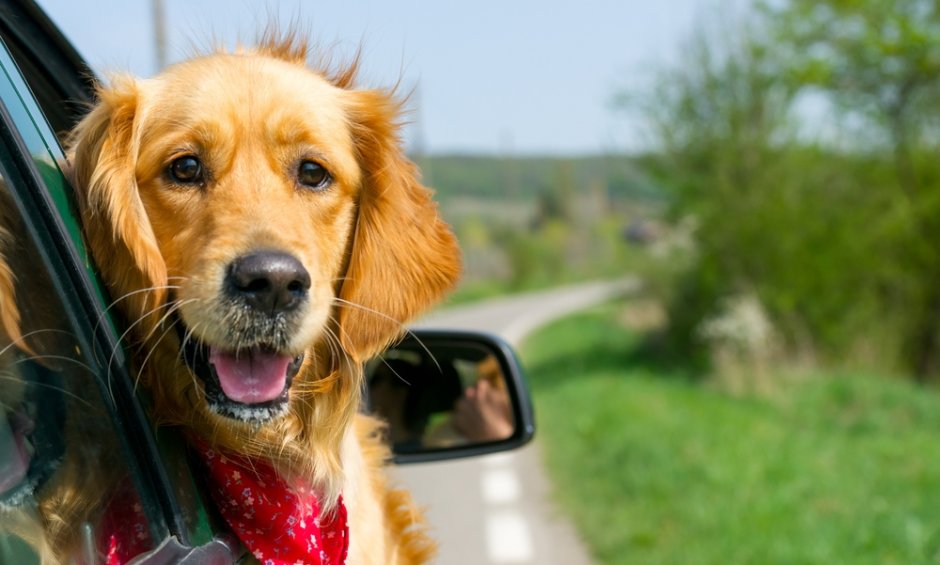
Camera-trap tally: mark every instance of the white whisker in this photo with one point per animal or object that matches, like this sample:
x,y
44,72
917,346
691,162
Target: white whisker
x,y
49,386
176,306
188,335
56,357
404,328
116,301
153,348
22,338
120,339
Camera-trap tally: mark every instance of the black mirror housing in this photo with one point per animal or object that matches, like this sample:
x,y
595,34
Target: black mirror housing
x,y
450,394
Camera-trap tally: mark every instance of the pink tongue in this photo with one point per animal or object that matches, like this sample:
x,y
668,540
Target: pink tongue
x,y
250,376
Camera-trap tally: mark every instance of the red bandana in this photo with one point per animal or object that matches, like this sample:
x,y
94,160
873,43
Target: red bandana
x,y
123,532
278,524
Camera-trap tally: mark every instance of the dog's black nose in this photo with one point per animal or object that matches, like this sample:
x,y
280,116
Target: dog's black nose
x,y
269,281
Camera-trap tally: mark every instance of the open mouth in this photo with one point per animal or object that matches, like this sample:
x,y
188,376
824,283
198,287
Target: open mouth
x,y
31,434
250,384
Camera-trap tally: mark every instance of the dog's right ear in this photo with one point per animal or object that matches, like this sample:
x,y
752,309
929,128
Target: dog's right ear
x,y
103,150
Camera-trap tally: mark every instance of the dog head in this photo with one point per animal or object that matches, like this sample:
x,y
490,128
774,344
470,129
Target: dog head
x,y
261,219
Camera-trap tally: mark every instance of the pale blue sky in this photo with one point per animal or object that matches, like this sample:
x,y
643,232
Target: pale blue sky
x,y
520,76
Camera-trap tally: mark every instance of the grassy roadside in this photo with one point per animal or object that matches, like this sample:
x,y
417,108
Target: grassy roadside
x,y
657,468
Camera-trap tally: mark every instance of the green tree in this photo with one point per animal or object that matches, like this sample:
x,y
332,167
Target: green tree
x,y
718,117
812,231
880,61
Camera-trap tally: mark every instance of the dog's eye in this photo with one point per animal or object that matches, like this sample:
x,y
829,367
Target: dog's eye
x,y
186,170
313,175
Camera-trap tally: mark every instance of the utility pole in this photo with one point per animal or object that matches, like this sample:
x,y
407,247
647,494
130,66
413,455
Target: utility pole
x,y
159,32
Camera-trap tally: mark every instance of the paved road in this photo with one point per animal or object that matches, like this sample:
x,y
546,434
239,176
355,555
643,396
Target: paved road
x,y
497,509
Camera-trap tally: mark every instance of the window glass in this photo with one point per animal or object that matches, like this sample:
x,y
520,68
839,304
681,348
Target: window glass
x,y
33,94
66,493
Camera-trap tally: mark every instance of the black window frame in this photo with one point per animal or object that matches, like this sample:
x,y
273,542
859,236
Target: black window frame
x,y
33,40
24,186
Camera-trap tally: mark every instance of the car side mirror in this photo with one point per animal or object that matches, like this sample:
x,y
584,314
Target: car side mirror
x,y
450,394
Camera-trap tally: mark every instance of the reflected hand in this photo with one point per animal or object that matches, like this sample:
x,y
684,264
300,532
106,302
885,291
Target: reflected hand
x,y
483,413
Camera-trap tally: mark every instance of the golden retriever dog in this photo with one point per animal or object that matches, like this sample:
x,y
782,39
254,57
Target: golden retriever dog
x,y
264,234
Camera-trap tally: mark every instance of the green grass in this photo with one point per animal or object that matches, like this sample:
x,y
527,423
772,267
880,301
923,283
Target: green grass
x,y
655,467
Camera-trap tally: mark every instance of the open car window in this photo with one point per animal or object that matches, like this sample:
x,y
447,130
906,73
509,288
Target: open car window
x,y
66,490
31,94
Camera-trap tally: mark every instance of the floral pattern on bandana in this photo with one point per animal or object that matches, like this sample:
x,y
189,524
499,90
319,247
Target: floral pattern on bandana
x,y
123,532
279,525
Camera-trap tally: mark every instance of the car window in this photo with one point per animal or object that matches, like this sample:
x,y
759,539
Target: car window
x,y
38,88
66,490
55,72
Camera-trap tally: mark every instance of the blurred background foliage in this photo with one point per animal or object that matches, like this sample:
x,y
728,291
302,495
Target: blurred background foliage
x,y
802,140
770,396
787,213
763,398
531,222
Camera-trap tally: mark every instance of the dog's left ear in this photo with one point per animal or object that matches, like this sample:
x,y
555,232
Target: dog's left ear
x,y
403,256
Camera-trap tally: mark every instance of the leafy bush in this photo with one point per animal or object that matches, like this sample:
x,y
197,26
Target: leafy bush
x,y
835,239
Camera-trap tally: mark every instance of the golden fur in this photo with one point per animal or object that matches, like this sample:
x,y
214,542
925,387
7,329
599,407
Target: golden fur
x,y
377,252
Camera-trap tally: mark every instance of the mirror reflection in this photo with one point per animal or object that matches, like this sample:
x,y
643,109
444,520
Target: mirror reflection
x,y
67,490
440,395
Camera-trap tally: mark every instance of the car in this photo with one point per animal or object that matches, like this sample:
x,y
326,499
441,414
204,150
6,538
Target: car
x,y
67,387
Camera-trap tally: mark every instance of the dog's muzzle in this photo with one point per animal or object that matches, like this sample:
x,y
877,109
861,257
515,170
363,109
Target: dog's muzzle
x,y
250,380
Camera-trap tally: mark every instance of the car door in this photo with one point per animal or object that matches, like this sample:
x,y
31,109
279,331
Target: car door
x,y
81,474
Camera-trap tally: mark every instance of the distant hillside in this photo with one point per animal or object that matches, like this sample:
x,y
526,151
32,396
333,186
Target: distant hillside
x,y
524,178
